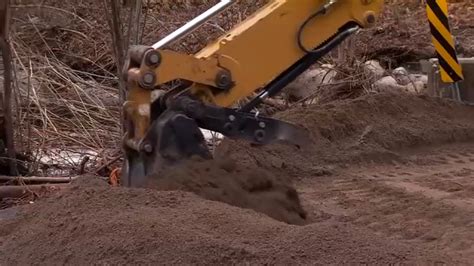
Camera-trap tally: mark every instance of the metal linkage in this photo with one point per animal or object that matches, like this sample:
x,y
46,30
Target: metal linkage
x,y
240,125
176,136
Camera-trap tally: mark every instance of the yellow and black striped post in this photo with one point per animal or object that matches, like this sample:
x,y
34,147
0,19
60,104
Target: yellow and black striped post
x,y
443,41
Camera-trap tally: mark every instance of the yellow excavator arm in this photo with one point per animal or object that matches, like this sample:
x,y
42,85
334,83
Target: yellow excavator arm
x,y
171,95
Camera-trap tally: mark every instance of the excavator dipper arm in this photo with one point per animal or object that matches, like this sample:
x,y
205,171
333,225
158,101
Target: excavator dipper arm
x,y
265,52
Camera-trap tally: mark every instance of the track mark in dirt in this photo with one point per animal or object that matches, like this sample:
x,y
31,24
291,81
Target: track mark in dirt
x,y
435,194
424,200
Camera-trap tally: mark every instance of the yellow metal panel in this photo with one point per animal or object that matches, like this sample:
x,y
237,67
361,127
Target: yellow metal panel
x,y
255,52
439,26
456,67
265,44
181,66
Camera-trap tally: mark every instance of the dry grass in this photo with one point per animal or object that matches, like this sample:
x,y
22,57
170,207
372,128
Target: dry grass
x,y
59,107
67,99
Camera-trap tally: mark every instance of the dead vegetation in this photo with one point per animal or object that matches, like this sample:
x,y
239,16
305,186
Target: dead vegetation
x,y
403,34
67,96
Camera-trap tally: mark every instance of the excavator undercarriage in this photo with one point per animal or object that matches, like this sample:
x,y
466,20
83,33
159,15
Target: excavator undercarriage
x,y
172,96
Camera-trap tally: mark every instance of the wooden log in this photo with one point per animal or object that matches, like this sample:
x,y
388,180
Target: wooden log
x,y
24,191
36,180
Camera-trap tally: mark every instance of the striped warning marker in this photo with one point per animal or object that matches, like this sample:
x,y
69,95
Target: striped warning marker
x,y
443,41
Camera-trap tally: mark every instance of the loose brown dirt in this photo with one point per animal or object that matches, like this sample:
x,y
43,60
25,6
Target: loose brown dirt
x,y
118,226
403,194
370,128
427,200
248,187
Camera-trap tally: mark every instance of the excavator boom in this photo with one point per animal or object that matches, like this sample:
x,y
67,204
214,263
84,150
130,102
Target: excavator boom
x,y
172,95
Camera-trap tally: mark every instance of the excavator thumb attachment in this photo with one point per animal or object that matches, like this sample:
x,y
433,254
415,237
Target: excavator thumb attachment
x,y
176,136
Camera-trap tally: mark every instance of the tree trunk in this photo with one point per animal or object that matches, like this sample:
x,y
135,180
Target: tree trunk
x,y
7,104
113,20
37,180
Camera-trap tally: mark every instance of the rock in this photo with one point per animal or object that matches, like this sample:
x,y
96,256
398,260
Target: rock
x,y
373,69
416,87
419,77
387,83
401,75
420,82
400,71
305,85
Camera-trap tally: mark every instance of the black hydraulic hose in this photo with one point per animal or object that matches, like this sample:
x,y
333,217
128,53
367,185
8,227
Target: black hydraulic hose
x,y
320,12
302,65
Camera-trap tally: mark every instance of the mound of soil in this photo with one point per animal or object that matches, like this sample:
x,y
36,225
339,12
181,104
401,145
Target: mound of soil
x,y
223,180
101,225
369,128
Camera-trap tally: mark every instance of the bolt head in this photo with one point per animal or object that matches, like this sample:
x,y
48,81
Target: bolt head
x,y
224,80
228,127
147,148
259,135
152,58
148,78
370,18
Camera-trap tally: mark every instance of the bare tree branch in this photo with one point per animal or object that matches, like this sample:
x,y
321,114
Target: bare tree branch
x,y
121,39
113,19
134,27
119,43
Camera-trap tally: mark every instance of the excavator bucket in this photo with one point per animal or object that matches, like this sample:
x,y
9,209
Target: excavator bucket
x,y
176,136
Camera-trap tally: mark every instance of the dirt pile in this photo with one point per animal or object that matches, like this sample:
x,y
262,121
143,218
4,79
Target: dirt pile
x,y
247,187
100,225
93,223
369,128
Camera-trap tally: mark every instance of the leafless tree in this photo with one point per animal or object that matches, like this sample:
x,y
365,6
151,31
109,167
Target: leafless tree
x,y
7,100
123,34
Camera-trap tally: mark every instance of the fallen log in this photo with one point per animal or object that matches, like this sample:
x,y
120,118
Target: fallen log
x,y
37,180
24,191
